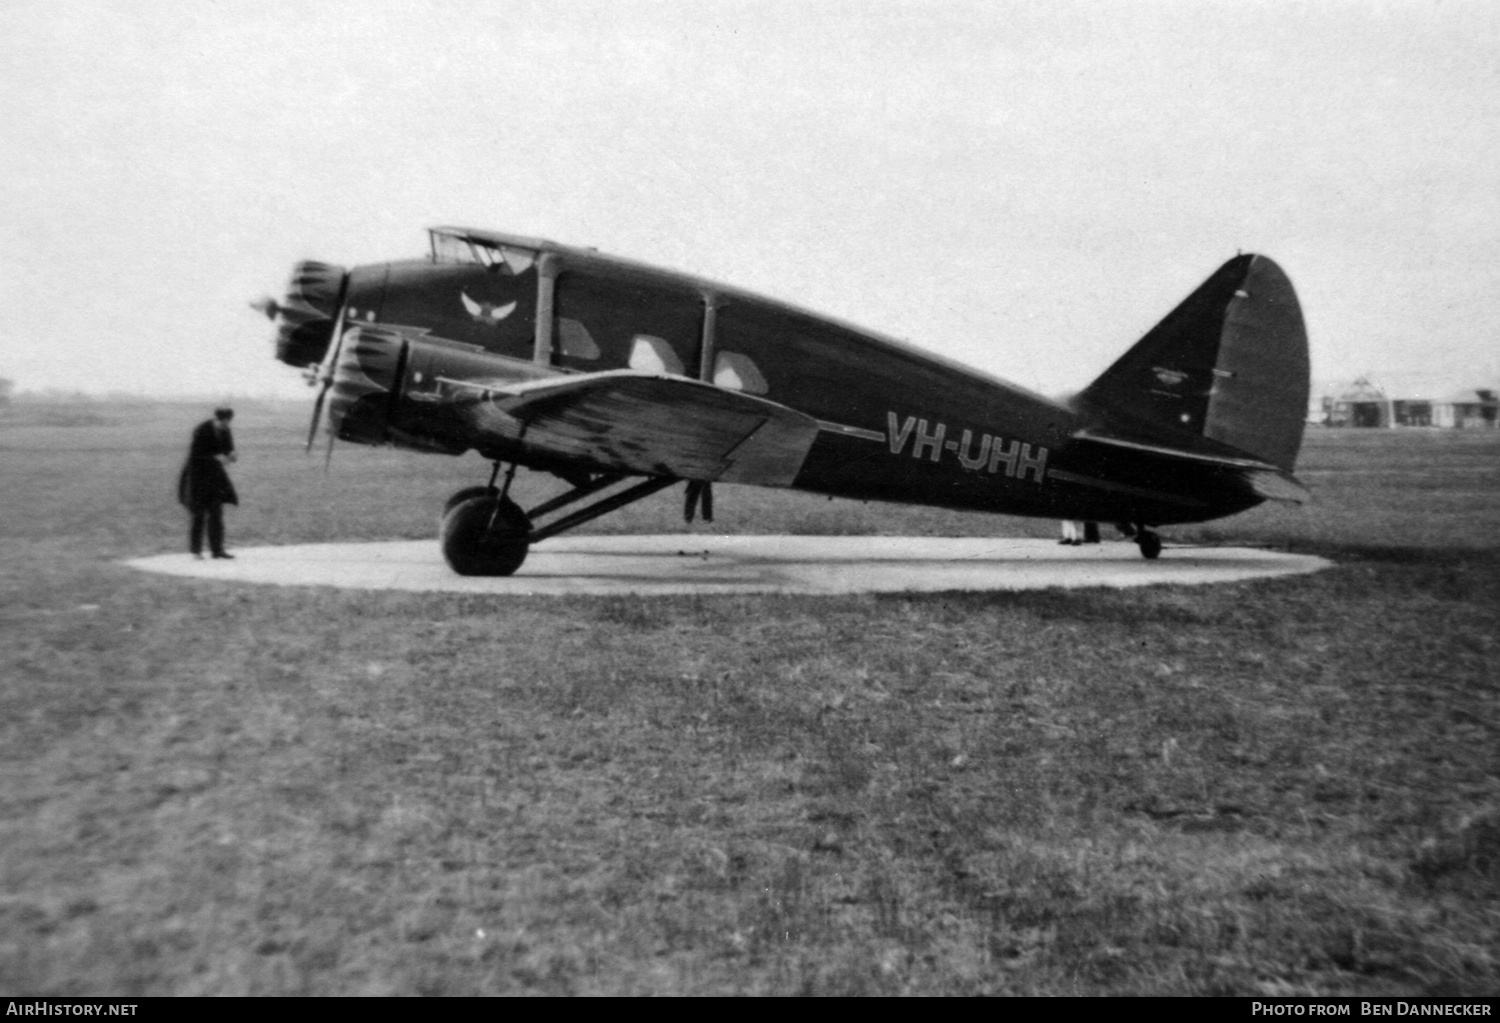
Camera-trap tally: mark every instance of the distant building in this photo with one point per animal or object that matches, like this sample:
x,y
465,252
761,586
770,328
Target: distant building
x,y
1395,401
1473,409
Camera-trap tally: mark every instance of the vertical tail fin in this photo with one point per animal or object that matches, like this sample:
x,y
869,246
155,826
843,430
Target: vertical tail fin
x,y
1229,364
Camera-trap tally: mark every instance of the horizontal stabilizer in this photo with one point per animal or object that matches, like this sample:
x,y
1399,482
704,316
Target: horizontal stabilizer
x,y
1277,485
662,425
1264,480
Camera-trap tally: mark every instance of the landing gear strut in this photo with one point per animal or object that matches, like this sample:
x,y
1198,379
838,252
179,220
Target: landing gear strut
x,y
484,532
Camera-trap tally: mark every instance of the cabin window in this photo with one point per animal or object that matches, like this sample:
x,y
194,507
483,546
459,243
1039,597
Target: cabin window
x,y
738,372
447,248
510,259
574,340
653,355
604,322
517,261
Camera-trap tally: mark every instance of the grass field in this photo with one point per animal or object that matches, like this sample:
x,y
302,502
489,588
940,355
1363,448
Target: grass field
x,y
1278,787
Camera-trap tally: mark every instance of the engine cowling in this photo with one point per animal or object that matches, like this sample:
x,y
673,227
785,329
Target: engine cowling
x,y
364,384
305,317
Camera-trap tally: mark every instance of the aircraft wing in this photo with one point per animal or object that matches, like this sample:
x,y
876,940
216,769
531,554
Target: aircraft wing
x,y
1262,478
662,425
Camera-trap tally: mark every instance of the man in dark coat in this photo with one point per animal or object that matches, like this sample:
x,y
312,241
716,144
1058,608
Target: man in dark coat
x,y
204,487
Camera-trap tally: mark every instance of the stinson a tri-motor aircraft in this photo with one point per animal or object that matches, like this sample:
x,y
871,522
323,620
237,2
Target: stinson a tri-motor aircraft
x,y
622,379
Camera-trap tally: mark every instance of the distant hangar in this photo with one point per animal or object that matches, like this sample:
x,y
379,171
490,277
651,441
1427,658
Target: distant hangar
x,y
1396,401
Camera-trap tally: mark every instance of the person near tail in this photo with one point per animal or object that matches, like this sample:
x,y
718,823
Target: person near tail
x,y
1075,532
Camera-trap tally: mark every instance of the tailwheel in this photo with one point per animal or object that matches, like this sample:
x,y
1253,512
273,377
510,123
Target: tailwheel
x,y
1149,543
485,534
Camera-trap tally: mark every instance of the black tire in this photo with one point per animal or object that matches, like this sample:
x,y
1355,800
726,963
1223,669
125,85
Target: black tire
x,y
462,496
1150,544
472,546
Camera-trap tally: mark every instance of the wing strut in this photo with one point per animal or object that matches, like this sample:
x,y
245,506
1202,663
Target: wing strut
x,y
578,493
645,488
486,533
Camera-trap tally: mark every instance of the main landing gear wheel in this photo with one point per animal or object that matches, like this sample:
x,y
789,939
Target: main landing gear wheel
x,y
485,534
1149,543
462,496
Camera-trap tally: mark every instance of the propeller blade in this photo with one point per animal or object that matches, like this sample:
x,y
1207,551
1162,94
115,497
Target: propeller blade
x,y
312,428
327,371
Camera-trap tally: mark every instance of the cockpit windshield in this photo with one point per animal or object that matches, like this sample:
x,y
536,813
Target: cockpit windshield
x,y
455,248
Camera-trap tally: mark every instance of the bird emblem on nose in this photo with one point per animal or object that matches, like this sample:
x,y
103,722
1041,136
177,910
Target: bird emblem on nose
x,y
486,312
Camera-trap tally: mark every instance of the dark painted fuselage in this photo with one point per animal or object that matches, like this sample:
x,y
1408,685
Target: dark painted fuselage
x,y
418,345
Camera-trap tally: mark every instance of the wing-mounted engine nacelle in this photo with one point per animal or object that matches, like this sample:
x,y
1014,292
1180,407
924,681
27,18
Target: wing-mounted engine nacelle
x,y
305,317
364,384
390,385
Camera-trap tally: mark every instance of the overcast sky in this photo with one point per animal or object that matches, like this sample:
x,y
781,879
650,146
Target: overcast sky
x,y
1025,187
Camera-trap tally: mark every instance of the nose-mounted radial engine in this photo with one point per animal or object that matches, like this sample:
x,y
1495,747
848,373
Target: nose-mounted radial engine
x,y
306,318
